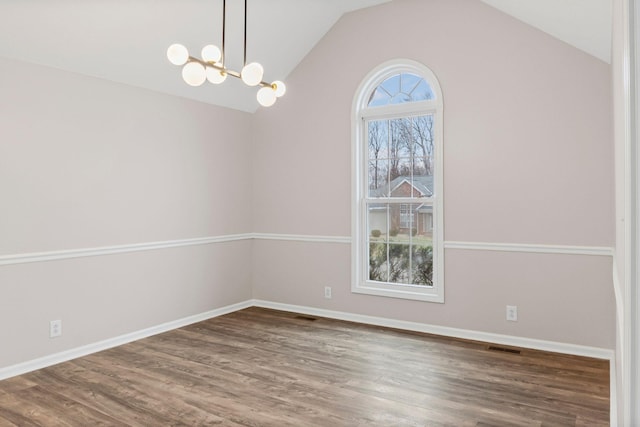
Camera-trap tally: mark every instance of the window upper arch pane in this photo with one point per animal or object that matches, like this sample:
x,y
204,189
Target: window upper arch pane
x,y
398,84
400,88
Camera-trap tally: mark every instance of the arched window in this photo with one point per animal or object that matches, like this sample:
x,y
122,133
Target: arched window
x,y
397,183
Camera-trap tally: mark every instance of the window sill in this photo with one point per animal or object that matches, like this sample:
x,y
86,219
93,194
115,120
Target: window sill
x,y
418,293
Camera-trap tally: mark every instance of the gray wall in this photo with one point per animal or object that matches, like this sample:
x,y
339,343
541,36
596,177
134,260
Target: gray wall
x,y
528,160
86,163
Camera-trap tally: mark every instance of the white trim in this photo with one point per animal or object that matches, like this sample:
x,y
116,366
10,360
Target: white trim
x,y
613,393
302,238
118,249
488,337
620,337
136,247
54,359
620,309
412,292
361,113
530,248
632,210
400,110
630,345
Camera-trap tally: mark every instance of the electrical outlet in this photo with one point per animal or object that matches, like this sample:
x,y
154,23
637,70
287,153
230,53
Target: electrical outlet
x,y
512,313
55,328
327,292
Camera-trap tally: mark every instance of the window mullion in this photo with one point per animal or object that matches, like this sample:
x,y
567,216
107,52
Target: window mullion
x,y
394,200
388,260
400,110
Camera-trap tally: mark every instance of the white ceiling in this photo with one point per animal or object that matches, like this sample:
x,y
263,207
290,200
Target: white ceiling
x,y
126,40
585,24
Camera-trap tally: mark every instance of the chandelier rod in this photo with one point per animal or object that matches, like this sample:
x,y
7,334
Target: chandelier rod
x,y
224,29
245,33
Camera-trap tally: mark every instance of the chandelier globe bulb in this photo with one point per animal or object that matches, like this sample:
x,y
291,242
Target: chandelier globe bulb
x,y
194,73
252,73
266,96
211,53
216,76
279,87
177,54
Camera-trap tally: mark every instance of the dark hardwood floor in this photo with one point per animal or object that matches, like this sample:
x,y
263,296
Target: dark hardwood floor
x,y
259,367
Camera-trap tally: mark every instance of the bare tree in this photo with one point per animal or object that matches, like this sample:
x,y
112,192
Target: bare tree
x,y
396,144
422,129
416,135
376,150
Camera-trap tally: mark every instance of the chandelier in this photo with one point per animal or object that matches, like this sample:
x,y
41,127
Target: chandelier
x,y
212,67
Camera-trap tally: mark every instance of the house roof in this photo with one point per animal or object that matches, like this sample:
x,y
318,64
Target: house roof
x,y
422,184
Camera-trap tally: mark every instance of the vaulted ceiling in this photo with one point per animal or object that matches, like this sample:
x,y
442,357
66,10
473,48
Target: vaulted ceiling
x,y
126,41
585,24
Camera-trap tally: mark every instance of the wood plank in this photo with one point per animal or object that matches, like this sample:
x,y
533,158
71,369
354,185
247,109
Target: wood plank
x,y
260,367
45,407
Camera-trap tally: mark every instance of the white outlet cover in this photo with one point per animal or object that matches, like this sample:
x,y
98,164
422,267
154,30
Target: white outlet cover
x,y
55,328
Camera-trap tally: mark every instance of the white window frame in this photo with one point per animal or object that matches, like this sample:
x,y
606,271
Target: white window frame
x,y
359,190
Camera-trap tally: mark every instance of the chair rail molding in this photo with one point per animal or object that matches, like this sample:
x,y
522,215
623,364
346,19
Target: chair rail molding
x,y
57,255
117,249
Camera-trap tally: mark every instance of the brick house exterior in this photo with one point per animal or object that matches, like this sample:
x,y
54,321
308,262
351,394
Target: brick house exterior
x,y
414,218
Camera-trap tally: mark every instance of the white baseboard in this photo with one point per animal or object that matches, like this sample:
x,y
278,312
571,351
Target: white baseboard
x,y
552,346
613,393
556,347
54,359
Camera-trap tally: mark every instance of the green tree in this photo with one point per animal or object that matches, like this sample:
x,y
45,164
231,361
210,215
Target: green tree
x,y
401,263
